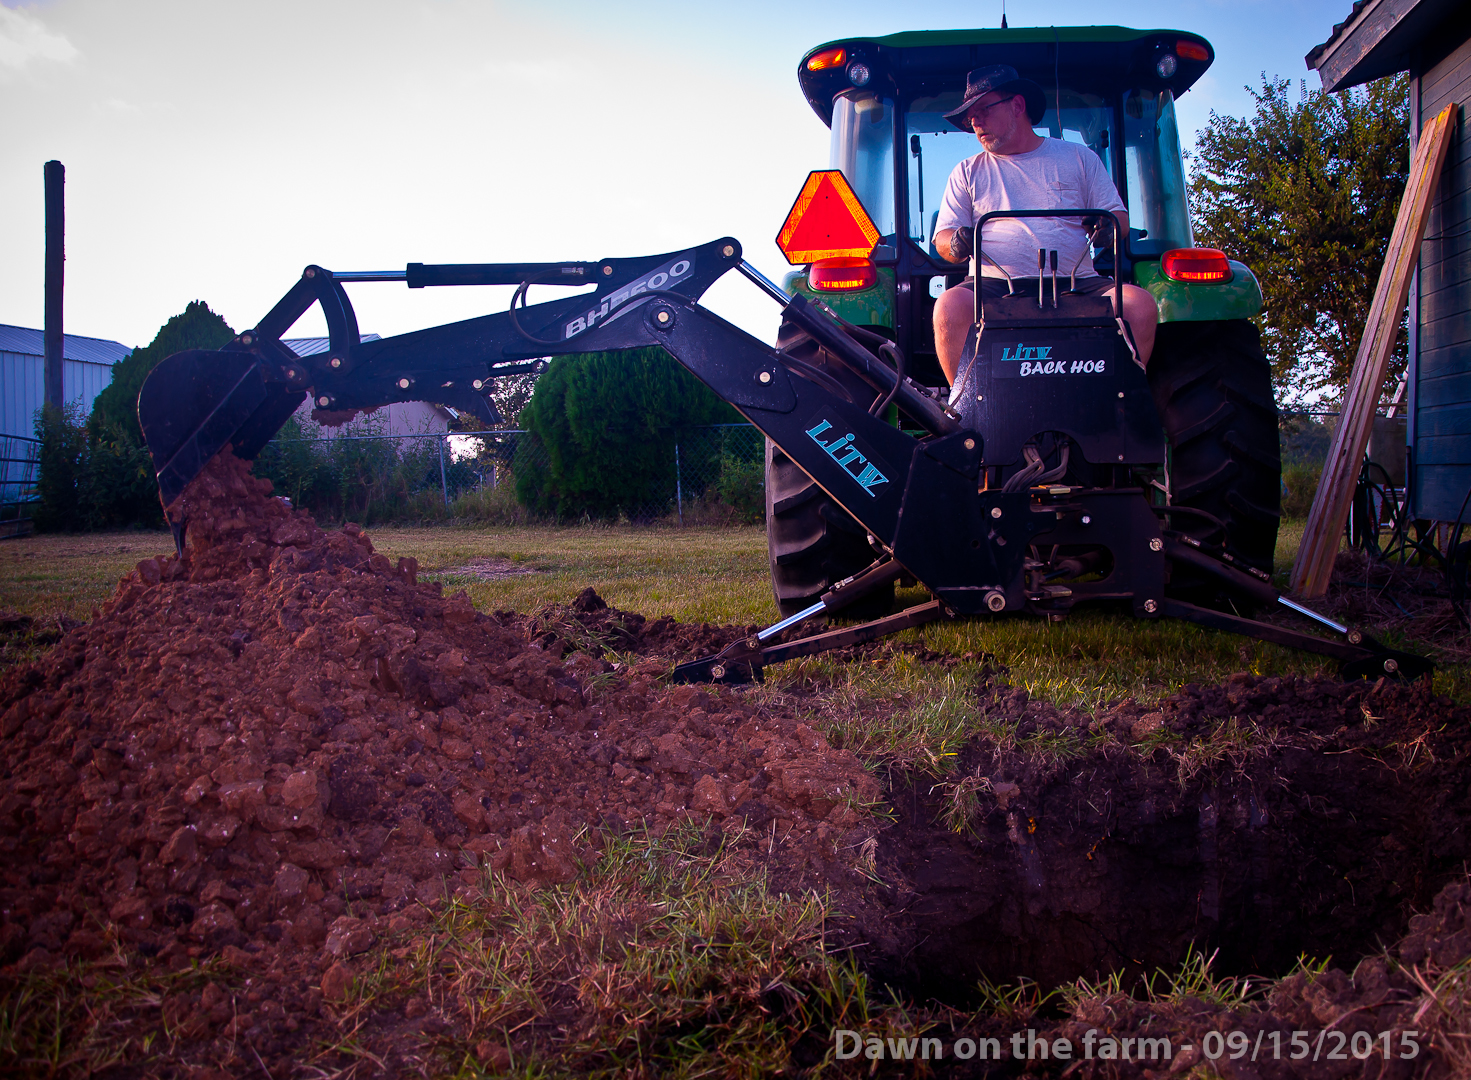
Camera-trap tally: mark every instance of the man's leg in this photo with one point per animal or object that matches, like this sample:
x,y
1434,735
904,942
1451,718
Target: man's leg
x,y
955,314
1142,315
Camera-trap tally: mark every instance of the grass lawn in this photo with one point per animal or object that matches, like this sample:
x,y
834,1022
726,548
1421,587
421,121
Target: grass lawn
x,y
719,575
43,576
701,574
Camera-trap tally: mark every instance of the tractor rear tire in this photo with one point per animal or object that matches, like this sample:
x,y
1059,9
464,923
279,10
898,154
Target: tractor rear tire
x,y
812,542
1212,386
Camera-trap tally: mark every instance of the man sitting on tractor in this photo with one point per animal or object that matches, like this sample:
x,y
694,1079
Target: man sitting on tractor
x,y
1021,170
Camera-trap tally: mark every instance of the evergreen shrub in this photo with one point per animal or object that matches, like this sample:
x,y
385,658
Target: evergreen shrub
x,y
96,472
601,433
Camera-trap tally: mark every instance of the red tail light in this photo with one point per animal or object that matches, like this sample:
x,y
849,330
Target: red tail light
x,y
1192,50
1199,266
836,275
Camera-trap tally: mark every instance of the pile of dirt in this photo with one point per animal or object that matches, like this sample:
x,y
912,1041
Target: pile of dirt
x,y
589,625
274,745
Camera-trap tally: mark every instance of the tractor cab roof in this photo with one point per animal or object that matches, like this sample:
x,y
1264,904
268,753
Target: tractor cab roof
x,y
1101,59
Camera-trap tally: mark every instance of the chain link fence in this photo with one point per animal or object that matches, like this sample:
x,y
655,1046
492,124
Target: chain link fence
x,y
714,475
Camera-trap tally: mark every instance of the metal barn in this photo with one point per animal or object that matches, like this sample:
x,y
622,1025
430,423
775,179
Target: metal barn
x,y
87,368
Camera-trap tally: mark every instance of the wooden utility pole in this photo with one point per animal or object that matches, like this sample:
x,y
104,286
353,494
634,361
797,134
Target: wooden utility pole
x,y
1314,565
54,342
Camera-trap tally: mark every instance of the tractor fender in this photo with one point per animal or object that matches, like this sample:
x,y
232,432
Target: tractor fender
x,y
1181,301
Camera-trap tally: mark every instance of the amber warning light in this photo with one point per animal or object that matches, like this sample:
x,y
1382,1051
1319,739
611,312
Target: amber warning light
x,y
828,58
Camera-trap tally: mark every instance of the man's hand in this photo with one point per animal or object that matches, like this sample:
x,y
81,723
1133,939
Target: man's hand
x,y
956,245
1100,235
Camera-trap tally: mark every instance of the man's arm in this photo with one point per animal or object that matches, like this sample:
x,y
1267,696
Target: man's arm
x,y
954,245
1099,190
953,239
1122,216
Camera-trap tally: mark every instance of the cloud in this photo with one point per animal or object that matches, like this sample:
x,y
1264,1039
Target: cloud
x,y
24,38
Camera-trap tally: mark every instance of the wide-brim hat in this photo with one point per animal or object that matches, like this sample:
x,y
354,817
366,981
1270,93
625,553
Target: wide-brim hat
x,y
1000,78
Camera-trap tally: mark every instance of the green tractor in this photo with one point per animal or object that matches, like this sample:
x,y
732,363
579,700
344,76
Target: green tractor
x,y
1109,88
1156,490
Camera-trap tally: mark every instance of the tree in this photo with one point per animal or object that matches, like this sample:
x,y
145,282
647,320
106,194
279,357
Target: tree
x,y
511,394
95,472
196,327
1305,192
607,423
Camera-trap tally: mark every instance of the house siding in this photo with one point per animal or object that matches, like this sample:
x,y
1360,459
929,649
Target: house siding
x,y
1441,431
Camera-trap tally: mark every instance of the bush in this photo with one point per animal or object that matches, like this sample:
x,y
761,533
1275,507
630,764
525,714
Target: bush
x,y
1299,484
742,486
63,457
118,487
368,480
488,505
91,476
601,429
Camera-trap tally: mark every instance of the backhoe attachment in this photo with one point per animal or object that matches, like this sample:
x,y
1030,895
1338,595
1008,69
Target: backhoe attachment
x,y
987,529
196,402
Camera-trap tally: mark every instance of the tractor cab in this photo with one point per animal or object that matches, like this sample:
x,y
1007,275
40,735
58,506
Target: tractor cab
x,y
1109,88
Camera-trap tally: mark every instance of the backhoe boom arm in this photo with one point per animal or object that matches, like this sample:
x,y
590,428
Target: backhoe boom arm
x,y
923,501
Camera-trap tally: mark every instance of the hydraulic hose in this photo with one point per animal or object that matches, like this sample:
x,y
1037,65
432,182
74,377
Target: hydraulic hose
x,y
929,413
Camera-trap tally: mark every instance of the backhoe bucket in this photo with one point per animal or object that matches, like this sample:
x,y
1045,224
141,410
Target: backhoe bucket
x,y
194,403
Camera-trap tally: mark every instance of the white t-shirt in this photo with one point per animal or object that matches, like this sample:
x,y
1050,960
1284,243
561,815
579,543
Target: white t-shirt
x,y
1056,174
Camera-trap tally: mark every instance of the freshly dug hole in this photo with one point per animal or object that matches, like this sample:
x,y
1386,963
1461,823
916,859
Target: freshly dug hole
x,y
1262,820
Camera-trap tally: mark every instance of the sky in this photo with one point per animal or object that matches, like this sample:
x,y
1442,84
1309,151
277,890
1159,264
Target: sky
x,y
213,148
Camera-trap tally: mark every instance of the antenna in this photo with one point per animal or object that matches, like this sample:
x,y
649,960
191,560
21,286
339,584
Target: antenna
x,y
1003,14
1057,80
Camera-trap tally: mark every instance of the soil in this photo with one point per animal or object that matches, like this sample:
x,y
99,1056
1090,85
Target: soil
x,y
280,746
1266,818
1340,1017
283,749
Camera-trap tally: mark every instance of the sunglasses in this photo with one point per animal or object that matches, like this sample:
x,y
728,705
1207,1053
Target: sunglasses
x,y
978,111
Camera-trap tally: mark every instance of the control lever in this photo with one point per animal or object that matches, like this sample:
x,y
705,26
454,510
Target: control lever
x,y
1041,275
1054,278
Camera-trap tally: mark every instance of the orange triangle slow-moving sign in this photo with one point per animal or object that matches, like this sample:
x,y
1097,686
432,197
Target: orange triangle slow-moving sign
x,y
827,222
